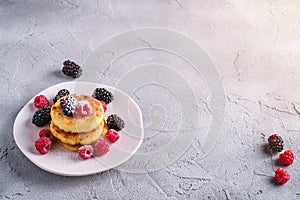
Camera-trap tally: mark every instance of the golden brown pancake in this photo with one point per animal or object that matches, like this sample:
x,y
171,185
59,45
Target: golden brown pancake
x,y
76,123
79,138
69,147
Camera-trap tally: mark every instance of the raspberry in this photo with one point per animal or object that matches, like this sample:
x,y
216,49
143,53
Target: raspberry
x,y
276,143
86,151
43,145
104,105
103,94
42,116
40,101
287,157
112,135
83,108
282,176
115,122
70,68
45,132
101,147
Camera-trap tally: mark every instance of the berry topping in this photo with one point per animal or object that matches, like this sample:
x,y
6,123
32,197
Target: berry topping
x,y
115,122
282,176
83,108
86,151
43,145
104,105
276,143
103,94
61,93
101,147
68,105
42,116
71,69
40,101
287,158
45,132
112,135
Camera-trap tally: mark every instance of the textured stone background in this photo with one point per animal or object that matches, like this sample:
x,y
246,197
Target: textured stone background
x,y
255,47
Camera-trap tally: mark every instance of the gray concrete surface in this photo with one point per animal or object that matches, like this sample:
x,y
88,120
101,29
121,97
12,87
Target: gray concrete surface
x,y
254,46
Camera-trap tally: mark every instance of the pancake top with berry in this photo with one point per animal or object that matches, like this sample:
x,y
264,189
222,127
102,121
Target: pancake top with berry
x,y
77,113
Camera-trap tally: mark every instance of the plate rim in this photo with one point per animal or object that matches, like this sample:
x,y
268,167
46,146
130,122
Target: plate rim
x,y
89,172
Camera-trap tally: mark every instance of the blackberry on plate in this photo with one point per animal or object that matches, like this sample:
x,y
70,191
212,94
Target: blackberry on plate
x,y
68,105
275,143
115,122
103,94
71,69
42,116
61,93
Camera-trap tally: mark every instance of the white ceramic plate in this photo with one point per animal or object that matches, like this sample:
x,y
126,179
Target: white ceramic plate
x,y
63,162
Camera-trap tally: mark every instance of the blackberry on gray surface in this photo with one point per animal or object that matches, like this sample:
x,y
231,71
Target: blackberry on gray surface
x,y
42,116
275,143
115,122
61,93
103,94
71,69
68,106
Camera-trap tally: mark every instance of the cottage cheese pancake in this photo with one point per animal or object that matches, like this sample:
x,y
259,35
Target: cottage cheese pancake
x,y
69,147
80,138
77,123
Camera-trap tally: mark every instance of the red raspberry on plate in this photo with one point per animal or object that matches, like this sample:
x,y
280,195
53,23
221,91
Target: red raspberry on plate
x,y
43,145
86,151
104,105
287,157
45,132
282,176
101,147
40,101
112,135
83,108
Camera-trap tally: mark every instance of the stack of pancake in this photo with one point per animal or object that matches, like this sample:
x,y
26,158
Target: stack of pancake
x,y
74,131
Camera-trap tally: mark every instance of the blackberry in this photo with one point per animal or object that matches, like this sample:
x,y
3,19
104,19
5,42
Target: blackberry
x,y
61,93
275,143
71,69
42,116
115,122
68,106
103,94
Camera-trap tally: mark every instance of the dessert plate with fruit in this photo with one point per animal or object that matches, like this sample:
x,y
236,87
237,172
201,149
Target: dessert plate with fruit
x,y
79,128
